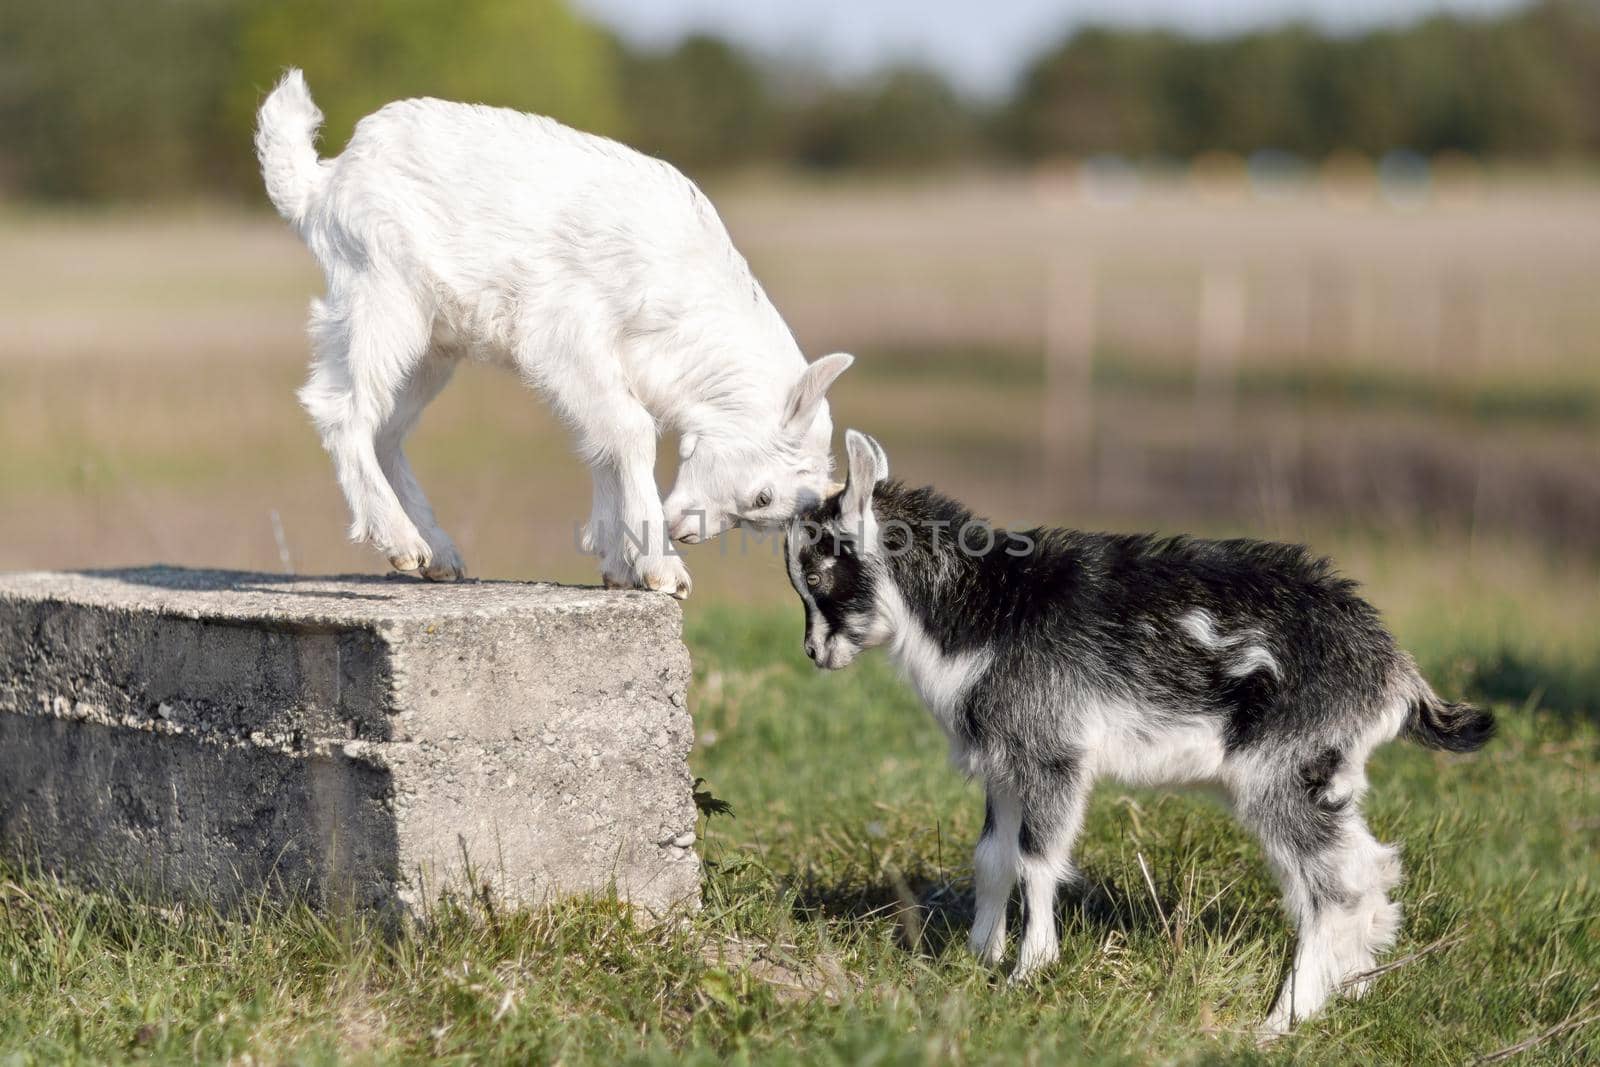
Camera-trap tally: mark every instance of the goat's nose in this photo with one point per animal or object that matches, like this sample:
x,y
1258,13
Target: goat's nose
x,y
687,528
811,649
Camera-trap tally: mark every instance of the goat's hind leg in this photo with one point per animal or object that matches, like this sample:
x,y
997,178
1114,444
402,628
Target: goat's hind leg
x,y
421,386
365,348
1336,877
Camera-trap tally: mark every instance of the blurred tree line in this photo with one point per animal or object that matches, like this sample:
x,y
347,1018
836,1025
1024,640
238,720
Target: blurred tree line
x,y
131,99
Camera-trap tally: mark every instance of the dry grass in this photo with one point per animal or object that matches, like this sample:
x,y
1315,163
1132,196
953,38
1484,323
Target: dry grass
x,y
1491,282
149,363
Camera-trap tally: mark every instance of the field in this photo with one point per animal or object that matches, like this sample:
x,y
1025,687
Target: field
x,y
1413,389
1425,371
837,900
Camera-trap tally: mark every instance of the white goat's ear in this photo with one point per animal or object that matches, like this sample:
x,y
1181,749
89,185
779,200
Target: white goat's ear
x,y
869,465
806,395
686,446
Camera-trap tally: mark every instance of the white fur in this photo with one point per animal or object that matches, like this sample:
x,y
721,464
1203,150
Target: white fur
x,y
1249,657
996,864
1337,945
1182,751
940,680
604,278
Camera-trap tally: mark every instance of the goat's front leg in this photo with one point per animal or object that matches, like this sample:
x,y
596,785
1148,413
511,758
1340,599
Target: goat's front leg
x,y
627,529
995,866
1051,816
617,436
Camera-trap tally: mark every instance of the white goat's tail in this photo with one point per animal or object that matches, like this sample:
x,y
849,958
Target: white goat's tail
x,y
286,133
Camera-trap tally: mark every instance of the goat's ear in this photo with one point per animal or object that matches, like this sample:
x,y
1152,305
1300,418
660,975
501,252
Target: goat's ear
x,y
869,465
806,395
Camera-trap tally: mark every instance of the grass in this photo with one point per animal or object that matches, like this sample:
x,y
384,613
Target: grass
x,y
836,900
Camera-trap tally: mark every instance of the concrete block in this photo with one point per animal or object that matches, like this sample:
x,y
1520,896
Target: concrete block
x,y
215,735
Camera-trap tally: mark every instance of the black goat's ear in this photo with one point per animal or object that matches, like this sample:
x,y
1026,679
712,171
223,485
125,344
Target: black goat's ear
x,y
869,465
882,456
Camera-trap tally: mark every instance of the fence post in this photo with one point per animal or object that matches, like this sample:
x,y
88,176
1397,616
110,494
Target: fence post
x,y
1362,336
1219,338
1069,342
1461,316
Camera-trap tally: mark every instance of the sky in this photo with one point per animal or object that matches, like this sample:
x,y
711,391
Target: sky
x,y
980,44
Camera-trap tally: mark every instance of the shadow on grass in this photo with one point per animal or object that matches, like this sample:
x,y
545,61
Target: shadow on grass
x,y
932,911
1567,688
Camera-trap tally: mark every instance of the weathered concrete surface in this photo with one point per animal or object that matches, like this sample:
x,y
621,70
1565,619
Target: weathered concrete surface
x,y
216,734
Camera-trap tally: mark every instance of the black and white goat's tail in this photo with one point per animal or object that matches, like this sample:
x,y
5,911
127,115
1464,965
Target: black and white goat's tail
x,y
1437,723
286,135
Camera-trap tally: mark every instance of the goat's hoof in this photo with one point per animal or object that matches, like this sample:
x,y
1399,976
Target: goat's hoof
x,y
446,566
676,590
668,576
1270,1033
989,952
1027,970
671,577
409,564
410,554
1279,1021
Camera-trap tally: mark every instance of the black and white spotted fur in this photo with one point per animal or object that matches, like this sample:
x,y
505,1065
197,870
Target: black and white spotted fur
x,y
1055,658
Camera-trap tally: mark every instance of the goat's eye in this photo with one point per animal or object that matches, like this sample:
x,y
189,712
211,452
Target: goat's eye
x,y
813,580
763,499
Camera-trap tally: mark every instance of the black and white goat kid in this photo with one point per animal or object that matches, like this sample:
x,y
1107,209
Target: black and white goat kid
x,y
1054,658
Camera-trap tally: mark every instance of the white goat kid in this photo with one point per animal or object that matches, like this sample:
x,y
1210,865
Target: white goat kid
x,y
603,277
